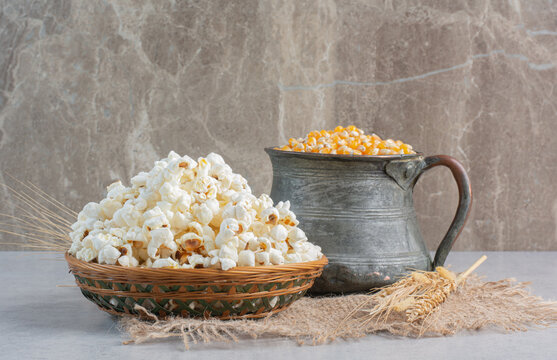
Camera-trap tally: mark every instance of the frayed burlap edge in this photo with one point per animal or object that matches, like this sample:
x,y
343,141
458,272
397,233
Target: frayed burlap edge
x,y
506,305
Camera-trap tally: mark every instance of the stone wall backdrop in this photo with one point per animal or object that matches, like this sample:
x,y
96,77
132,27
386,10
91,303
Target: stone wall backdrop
x,y
93,91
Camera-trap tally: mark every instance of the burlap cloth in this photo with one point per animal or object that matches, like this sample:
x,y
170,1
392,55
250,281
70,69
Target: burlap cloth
x,y
506,305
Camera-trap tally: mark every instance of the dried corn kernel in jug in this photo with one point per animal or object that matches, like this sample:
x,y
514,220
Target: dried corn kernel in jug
x,y
346,141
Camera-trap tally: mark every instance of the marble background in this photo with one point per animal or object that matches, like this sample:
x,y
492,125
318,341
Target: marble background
x,y
92,91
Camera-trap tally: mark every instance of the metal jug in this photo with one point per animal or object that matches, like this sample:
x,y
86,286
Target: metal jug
x,y
360,210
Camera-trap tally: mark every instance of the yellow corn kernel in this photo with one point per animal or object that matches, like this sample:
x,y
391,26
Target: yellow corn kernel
x,y
406,148
349,140
353,143
314,134
389,143
345,150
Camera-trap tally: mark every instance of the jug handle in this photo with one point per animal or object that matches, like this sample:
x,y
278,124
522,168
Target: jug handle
x,y
464,203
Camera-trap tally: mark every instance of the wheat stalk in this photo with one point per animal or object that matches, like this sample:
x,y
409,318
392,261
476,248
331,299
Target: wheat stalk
x,y
415,296
418,294
42,222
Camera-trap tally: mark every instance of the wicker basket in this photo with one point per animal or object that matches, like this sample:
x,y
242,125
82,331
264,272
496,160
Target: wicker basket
x,y
248,292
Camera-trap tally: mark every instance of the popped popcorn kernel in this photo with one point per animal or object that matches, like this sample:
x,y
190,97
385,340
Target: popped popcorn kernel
x,y
191,214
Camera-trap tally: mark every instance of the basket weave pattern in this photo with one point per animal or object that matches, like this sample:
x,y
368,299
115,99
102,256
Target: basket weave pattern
x,y
247,292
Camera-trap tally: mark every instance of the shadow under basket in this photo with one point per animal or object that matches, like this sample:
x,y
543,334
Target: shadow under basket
x,y
246,292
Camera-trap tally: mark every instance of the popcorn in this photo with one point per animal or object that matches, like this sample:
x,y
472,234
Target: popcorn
x,y
262,258
162,240
127,259
228,252
181,220
227,264
203,214
197,260
295,235
109,207
86,254
126,216
293,258
246,258
91,210
189,214
279,233
108,255
135,237
140,180
270,216
165,263
275,257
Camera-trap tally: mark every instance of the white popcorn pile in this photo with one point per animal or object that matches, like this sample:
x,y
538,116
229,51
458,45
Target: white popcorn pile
x,y
188,214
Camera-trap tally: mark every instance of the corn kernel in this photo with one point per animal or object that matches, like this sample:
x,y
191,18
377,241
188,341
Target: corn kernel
x,y
314,134
344,150
343,134
349,140
353,143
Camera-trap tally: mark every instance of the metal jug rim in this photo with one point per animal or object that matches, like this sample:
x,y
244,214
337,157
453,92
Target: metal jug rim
x,y
344,157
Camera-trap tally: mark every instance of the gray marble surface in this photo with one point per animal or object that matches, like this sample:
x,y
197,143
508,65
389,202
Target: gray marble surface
x,y
39,320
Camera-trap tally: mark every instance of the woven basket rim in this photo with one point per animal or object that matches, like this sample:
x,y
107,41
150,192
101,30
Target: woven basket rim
x,y
209,272
204,285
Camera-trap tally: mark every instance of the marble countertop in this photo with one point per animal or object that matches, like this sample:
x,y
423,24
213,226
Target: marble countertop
x,y
41,320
